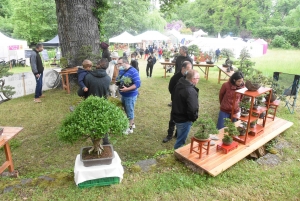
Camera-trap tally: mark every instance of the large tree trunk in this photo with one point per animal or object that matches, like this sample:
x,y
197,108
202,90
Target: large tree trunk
x,y
77,27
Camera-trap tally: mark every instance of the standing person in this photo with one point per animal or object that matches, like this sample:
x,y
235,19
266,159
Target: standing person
x,y
133,62
146,53
183,51
113,71
82,72
185,105
160,52
141,52
151,61
186,66
37,69
226,95
151,51
129,94
105,52
218,52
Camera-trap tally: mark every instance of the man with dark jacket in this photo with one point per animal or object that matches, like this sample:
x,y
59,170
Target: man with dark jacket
x,y
183,51
98,81
185,105
186,66
37,69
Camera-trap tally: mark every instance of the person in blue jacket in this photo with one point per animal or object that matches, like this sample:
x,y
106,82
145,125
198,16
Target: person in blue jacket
x,y
82,72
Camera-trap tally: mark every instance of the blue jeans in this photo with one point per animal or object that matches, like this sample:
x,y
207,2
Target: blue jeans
x,y
128,104
39,86
221,117
183,130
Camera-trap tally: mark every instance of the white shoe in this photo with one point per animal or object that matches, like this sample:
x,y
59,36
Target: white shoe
x,y
133,125
128,131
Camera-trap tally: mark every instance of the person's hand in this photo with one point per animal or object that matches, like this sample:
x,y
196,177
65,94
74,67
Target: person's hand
x,y
85,89
124,89
37,75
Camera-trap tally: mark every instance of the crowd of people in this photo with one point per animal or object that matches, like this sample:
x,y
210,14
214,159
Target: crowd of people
x,y
117,77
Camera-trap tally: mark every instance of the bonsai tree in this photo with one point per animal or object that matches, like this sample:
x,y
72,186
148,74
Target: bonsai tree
x,y
7,90
277,90
93,118
242,128
227,53
167,54
193,50
205,127
229,131
245,106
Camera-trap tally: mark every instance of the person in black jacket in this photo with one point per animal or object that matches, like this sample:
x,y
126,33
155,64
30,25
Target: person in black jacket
x,y
186,66
134,63
151,61
183,51
185,105
38,70
105,52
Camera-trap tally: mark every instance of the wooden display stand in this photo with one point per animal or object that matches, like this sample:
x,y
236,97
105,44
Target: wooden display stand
x,y
273,106
227,148
258,127
198,149
65,77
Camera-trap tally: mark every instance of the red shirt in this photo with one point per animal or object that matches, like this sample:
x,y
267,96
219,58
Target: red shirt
x,y
226,96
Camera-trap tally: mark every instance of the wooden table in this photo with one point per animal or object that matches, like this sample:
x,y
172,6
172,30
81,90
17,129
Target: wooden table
x,y
65,77
8,133
227,74
165,64
206,66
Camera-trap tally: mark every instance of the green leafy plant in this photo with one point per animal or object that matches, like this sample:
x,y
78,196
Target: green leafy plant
x,y
167,54
127,80
242,128
205,127
7,90
230,130
244,105
193,50
93,118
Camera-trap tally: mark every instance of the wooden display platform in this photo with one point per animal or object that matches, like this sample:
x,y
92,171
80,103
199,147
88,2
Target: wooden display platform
x,y
216,162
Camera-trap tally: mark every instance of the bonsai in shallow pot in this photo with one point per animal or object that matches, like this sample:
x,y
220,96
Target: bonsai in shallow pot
x,y
245,106
93,118
206,126
229,131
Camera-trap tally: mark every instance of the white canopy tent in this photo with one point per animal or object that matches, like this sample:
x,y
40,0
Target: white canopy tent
x,y
152,35
125,37
199,33
12,48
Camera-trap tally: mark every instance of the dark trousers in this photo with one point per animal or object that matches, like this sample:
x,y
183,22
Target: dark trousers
x,y
171,128
39,86
149,66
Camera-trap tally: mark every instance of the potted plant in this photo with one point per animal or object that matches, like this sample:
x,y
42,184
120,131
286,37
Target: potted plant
x,y
245,106
124,81
277,92
93,118
210,55
193,50
253,123
228,63
229,131
257,102
206,126
242,128
167,55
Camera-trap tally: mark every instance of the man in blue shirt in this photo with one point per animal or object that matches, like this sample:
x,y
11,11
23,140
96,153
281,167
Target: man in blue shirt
x,y
128,81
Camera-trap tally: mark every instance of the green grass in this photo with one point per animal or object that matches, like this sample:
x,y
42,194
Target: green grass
x,y
37,151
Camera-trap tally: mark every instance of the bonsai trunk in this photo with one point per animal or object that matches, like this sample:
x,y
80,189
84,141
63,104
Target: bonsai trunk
x,y
97,147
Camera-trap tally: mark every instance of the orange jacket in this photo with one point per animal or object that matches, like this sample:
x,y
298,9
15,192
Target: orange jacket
x,y
226,96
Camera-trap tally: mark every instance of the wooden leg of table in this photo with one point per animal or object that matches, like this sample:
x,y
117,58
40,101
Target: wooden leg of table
x,y
206,72
9,157
67,84
219,76
63,81
165,71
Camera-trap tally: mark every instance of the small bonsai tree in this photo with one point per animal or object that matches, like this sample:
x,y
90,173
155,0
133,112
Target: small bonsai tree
x,y
227,53
167,54
193,50
205,127
7,90
93,118
229,131
244,105
242,128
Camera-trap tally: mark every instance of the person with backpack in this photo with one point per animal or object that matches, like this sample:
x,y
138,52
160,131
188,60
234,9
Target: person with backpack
x,y
146,53
151,61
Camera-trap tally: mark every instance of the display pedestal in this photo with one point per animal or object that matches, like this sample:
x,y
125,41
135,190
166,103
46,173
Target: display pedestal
x,y
100,175
227,148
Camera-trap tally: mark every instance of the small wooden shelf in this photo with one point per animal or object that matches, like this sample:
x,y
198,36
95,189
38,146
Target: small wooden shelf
x,y
257,128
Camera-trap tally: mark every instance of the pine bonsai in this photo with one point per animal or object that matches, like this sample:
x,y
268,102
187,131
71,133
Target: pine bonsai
x,y
7,90
205,127
229,131
93,118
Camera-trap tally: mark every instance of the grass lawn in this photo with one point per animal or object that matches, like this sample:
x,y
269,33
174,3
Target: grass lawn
x,y
37,151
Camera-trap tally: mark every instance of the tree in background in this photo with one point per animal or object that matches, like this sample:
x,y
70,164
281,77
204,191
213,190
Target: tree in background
x,y
6,26
34,20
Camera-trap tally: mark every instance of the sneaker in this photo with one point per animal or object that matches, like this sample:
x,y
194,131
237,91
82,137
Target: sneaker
x,y
133,125
167,139
128,131
37,100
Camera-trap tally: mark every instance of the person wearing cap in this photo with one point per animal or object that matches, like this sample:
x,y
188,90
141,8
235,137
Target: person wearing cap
x,y
105,52
113,71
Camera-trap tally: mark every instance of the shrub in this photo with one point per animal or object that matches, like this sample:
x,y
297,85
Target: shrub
x,y
280,42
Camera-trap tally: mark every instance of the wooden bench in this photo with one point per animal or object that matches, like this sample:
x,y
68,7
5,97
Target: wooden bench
x,y
8,134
